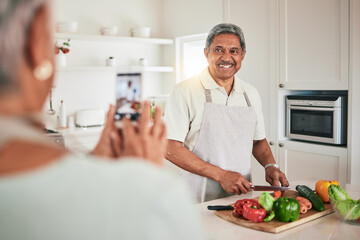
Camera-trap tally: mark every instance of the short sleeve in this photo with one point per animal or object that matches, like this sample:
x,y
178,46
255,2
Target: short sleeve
x,y
177,117
259,133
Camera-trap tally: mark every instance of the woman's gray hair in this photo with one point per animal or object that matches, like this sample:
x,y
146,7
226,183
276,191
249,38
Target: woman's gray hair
x,y
223,28
15,19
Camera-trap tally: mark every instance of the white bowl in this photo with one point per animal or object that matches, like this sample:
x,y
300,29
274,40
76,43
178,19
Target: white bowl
x,y
66,27
109,30
140,32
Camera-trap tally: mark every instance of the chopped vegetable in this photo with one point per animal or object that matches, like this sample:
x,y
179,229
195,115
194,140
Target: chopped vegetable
x,y
277,194
269,217
286,209
239,205
266,201
253,213
337,193
303,207
321,189
305,201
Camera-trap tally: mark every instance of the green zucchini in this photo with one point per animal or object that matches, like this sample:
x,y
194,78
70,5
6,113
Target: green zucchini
x,y
307,193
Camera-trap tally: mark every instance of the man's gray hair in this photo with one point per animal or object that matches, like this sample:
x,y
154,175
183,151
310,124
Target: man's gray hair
x,y
15,19
223,28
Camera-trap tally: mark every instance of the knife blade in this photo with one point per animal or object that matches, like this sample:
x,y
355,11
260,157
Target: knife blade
x,y
268,188
220,207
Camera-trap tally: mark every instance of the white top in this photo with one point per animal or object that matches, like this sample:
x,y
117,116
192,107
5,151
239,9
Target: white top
x,y
185,107
86,198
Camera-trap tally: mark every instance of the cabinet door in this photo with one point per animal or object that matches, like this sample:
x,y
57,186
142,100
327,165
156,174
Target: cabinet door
x,y
314,44
303,161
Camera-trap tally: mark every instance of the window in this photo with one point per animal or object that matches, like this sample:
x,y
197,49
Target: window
x,y
190,58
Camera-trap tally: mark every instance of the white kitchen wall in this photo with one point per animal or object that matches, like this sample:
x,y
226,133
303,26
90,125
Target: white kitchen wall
x,y
91,15
188,17
93,87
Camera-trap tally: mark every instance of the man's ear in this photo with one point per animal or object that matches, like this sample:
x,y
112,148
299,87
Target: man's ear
x,y
38,38
206,53
243,55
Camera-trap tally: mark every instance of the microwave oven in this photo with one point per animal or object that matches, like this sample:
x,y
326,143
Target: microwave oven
x,y
320,118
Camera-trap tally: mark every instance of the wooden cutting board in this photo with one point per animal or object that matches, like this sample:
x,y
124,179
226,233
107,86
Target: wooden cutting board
x,y
275,226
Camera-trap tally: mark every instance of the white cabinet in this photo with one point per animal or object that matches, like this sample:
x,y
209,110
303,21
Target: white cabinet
x,y
304,161
314,49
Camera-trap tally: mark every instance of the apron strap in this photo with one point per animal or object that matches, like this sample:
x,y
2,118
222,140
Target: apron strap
x,y
247,99
208,95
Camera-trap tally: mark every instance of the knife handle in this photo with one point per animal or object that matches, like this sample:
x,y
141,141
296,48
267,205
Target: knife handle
x,y
220,207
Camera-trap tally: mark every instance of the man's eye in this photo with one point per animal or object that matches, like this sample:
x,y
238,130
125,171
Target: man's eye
x,y
234,51
218,50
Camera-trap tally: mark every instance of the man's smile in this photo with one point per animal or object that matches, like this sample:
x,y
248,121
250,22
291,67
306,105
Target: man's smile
x,y
225,65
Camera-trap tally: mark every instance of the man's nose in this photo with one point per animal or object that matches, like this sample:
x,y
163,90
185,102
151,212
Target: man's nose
x,y
226,56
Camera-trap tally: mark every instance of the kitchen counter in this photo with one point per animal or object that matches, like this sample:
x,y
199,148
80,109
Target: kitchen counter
x,y
327,227
81,140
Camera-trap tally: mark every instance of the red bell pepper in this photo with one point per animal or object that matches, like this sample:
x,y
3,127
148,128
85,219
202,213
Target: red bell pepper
x,y
253,213
238,206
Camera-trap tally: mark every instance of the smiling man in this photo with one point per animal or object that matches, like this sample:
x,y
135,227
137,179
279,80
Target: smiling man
x,y
215,123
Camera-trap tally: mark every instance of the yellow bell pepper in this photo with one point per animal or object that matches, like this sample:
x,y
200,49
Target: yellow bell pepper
x,y
321,189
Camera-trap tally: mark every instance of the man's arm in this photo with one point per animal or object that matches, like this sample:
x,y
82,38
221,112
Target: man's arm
x,y
231,182
263,154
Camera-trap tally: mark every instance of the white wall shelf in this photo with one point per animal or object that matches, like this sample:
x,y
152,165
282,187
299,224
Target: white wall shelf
x,y
110,68
102,38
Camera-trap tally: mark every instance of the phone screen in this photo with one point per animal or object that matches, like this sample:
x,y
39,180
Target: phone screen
x,y
128,95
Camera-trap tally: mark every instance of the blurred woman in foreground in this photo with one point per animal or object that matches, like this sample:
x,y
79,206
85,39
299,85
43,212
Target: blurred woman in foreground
x,y
49,193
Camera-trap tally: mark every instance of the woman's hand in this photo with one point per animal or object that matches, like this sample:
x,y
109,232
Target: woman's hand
x,y
144,140
109,144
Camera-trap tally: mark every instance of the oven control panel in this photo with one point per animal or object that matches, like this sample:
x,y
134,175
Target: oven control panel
x,y
311,101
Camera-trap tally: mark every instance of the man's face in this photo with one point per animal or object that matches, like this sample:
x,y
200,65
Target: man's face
x,y
225,56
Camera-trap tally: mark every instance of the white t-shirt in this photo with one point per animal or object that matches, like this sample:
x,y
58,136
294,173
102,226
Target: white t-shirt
x,y
185,107
82,198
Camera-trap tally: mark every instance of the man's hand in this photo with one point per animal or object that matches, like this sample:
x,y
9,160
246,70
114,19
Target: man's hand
x,y
234,182
275,177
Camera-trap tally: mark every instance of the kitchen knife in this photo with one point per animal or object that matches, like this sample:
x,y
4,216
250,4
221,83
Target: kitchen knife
x,y
220,207
268,188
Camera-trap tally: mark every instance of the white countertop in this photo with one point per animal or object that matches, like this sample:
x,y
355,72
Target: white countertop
x,y
80,131
327,227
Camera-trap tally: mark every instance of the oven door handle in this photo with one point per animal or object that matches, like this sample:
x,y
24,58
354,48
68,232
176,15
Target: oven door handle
x,y
312,108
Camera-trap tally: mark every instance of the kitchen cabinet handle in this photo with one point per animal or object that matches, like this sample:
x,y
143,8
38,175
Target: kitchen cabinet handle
x,y
271,143
281,144
281,85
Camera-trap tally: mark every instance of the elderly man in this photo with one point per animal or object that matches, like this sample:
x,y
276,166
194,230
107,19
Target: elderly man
x,y
215,123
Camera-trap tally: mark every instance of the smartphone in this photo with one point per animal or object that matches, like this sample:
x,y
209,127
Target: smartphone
x,y
128,95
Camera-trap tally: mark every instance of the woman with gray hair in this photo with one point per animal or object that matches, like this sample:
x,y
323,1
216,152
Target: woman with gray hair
x,y
49,193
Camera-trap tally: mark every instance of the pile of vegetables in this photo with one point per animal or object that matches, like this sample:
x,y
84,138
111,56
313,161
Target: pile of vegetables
x,y
346,206
288,209
264,210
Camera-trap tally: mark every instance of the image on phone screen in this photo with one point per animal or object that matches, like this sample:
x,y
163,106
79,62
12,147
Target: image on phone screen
x,y
128,95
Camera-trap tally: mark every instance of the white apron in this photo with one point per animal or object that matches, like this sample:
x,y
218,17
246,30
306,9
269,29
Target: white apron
x,y
225,140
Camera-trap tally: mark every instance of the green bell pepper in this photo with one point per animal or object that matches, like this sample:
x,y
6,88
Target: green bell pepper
x,y
286,209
